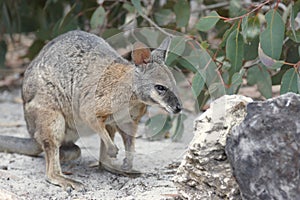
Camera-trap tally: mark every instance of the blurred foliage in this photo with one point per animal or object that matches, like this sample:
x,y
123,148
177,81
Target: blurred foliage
x,y
221,42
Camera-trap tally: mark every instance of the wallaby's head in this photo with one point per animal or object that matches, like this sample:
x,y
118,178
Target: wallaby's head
x,y
154,83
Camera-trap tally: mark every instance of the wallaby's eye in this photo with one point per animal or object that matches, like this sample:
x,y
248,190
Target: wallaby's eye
x,y
160,89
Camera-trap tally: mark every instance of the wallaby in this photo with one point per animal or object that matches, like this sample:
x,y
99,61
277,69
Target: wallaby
x,y
78,78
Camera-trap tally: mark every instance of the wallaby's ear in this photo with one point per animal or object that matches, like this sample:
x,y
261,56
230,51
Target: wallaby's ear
x,y
141,54
160,53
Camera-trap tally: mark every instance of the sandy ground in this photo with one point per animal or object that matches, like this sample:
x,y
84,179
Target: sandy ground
x,y
23,177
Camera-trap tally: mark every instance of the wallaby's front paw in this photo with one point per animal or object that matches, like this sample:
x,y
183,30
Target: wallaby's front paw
x,y
113,151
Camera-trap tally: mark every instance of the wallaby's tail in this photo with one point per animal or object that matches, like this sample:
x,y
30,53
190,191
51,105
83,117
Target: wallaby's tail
x,y
26,146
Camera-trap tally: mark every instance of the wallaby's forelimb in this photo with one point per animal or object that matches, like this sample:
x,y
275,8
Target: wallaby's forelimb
x,y
26,146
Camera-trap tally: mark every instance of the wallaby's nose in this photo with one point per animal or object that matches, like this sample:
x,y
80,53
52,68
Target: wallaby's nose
x,y
178,108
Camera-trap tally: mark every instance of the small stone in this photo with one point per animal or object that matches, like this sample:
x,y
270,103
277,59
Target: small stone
x,y
3,167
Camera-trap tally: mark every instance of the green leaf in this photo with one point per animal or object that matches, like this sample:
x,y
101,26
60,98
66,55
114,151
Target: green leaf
x,y
6,19
66,23
236,82
234,7
235,50
252,29
128,7
197,84
227,33
151,37
289,82
163,17
261,77
271,38
35,48
3,50
138,6
216,88
179,127
110,32
98,18
250,49
268,61
208,22
294,35
157,126
244,26
294,12
176,48
182,11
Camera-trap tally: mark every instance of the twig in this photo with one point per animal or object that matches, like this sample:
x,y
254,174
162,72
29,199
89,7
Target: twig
x,y
156,26
242,16
212,7
12,124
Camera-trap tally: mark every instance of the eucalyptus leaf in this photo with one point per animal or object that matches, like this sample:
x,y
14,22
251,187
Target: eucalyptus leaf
x,y
182,11
289,82
271,38
197,84
268,61
260,76
157,126
3,50
129,7
235,50
179,127
236,82
138,6
176,48
98,18
253,28
163,17
35,48
294,12
234,7
245,26
208,22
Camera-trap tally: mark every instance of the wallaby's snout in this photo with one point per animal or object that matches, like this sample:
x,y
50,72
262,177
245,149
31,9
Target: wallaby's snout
x,y
168,99
178,108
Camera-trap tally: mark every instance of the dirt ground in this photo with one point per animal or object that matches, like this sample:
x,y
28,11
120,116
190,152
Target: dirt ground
x,y
23,177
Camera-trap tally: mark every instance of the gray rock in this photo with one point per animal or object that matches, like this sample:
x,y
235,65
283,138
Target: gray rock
x,y
205,172
264,150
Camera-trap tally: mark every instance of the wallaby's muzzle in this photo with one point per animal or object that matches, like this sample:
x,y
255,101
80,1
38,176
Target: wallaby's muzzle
x,y
173,103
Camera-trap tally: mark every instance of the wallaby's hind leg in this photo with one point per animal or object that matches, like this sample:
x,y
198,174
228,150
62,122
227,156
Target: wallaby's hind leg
x,y
105,160
69,151
50,134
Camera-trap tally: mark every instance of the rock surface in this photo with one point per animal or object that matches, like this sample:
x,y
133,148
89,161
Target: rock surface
x,y
205,172
264,150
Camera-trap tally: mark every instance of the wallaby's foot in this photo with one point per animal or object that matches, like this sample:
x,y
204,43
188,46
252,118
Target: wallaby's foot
x,y
113,151
65,183
115,169
127,164
69,152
